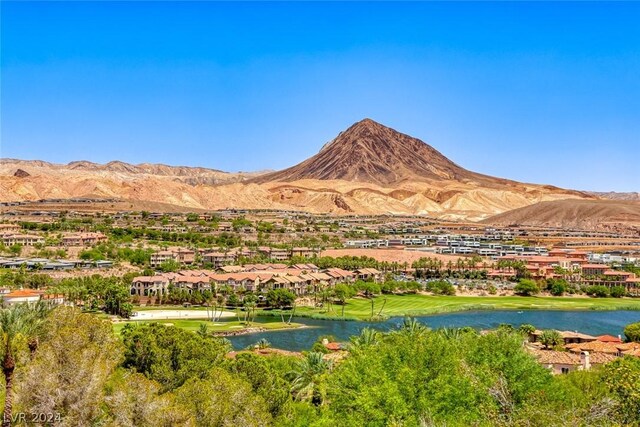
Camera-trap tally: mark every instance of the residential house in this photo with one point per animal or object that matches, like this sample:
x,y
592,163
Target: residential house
x,y
563,362
150,285
20,296
305,252
568,337
218,259
10,239
159,258
192,283
339,275
225,226
185,256
9,228
369,274
274,254
181,255
83,239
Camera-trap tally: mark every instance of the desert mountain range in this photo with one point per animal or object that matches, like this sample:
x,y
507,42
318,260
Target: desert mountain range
x,y
583,214
367,169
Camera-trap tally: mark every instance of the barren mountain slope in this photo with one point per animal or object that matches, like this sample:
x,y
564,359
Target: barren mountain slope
x,y
603,214
612,195
371,152
186,174
367,169
375,169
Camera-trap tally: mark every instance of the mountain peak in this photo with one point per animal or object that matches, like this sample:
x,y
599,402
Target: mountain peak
x,y
370,152
360,129
366,124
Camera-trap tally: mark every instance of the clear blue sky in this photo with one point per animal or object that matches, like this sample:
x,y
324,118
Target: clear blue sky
x,y
537,92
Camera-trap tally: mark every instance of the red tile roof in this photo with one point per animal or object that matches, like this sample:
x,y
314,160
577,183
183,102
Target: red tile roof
x,y
608,338
24,293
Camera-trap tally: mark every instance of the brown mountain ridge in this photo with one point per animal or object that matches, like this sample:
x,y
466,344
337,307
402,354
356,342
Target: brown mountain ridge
x,y
367,169
370,152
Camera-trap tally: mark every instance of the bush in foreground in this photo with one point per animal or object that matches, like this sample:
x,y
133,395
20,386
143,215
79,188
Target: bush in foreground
x,y
160,375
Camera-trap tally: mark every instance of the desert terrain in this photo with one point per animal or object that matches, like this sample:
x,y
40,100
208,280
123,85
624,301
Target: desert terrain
x,y
368,169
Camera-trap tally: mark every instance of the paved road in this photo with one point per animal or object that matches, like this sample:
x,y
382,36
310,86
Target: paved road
x,y
175,314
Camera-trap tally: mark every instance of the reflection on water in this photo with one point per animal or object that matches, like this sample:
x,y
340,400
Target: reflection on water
x,y
588,322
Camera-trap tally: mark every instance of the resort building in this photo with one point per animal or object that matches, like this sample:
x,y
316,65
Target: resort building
x,y
296,280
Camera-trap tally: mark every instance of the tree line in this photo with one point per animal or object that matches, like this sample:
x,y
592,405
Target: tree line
x,y
72,365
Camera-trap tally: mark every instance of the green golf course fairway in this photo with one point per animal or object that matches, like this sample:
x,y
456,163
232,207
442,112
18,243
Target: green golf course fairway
x,y
222,326
404,305
417,305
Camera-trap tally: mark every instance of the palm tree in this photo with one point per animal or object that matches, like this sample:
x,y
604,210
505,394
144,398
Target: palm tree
x,y
308,378
550,338
18,324
526,329
367,338
219,302
203,330
250,309
456,333
413,327
262,344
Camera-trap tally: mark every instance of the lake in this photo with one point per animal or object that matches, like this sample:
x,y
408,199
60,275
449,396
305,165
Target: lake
x,y
588,322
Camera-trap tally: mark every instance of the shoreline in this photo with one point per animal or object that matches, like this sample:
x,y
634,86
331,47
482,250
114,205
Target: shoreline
x,y
402,305
493,304
229,328
256,330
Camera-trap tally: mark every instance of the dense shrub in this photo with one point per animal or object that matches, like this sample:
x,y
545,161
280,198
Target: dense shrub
x,y
597,291
441,287
526,287
632,332
557,287
618,291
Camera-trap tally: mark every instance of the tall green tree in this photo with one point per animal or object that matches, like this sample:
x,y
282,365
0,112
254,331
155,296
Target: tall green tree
x,y
342,292
309,378
132,400
267,377
77,354
632,332
170,355
280,298
19,325
221,399
622,376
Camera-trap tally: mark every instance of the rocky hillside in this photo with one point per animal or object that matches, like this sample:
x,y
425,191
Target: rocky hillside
x,y
186,174
373,153
583,214
367,169
612,195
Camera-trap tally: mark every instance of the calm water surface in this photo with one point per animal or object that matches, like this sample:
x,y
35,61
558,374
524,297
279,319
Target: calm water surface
x,y
588,322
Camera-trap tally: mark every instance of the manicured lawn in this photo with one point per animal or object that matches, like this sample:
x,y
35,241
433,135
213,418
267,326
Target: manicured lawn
x,y
222,326
413,305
